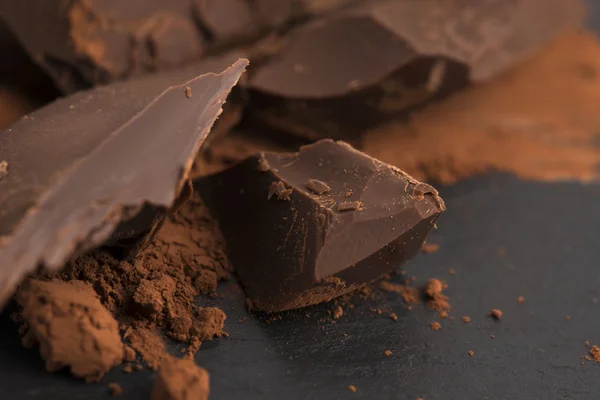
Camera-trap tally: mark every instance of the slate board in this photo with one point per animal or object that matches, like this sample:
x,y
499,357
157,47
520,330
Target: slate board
x,y
550,236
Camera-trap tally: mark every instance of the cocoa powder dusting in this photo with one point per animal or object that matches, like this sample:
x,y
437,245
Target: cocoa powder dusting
x,y
180,380
538,121
70,326
409,295
437,301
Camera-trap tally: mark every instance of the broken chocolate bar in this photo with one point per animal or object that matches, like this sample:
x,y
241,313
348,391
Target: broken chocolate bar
x,y
101,162
303,228
338,75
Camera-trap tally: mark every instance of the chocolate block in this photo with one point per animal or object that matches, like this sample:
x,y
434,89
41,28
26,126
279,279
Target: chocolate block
x,y
83,43
103,162
339,75
303,228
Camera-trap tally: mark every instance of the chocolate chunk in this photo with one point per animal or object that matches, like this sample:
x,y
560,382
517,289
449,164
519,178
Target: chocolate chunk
x,y
315,247
101,162
316,186
336,76
87,42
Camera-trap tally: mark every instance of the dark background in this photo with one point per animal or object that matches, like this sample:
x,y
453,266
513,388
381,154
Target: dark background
x,y
504,238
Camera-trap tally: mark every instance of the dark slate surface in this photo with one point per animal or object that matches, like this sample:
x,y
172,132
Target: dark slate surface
x,y
549,238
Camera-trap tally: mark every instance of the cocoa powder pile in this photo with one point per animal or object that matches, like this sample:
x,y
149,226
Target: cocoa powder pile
x,y
71,327
150,295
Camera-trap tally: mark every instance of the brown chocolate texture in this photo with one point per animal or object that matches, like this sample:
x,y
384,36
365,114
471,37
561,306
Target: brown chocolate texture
x,y
56,204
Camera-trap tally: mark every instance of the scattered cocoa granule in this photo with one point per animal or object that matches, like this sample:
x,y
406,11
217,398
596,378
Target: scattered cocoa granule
x,y
387,353
114,389
495,313
492,336
466,319
443,315
188,91
587,358
568,317
452,271
586,343
71,326
429,248
409,295
497,125
352,388
128,368
394,317
180,380
595,353
337,312
435,326
471,353
3,169
437,301
520,299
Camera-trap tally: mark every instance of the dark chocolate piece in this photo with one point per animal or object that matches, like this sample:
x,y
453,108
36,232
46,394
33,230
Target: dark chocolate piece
x,y
86,42
314,247
104,161
339,75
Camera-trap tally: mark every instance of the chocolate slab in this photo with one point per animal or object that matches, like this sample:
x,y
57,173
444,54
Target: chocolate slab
x,y
82,43
84,166
303,228
386,56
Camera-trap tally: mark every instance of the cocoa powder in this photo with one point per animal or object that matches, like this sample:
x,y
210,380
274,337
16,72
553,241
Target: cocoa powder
x,y
71,327
180,380
538,121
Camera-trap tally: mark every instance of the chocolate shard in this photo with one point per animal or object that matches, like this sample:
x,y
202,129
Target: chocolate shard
x,y
101,162
338,75
314,247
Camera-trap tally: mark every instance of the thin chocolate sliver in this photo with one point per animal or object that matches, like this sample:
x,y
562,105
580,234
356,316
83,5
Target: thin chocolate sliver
x,y
314,247
93,163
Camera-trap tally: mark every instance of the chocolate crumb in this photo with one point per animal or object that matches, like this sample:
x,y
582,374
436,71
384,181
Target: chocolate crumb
x,y
180,380
471,353
387,353
348,194
337,312
492,336
350,206
316,186
279,189
3,169
495,313
188,91
429,248
435,326
587,358
394,317
352,388
520,299
114,389
263,164
452,271
466,319
586,343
